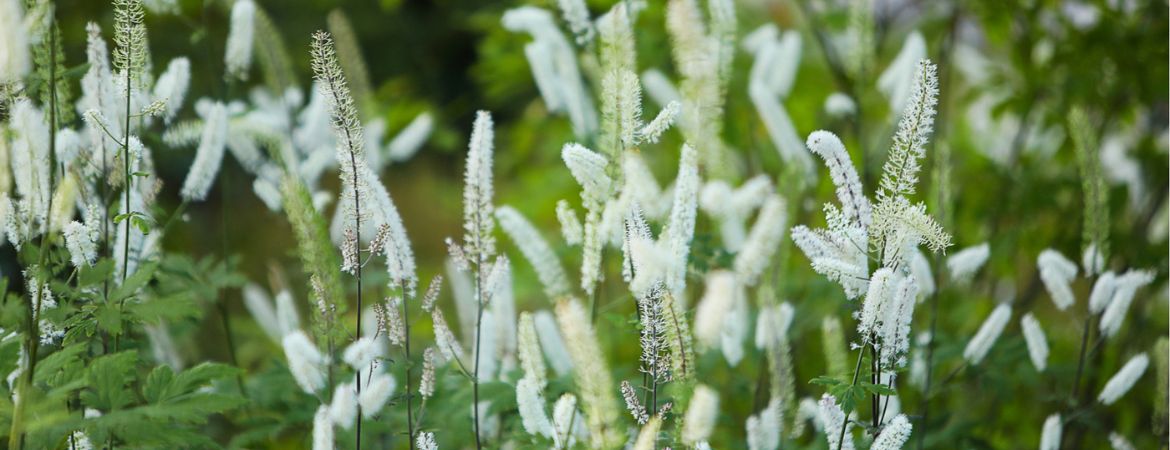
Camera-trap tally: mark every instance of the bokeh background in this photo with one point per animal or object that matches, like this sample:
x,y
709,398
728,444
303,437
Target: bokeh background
x,y
1018,190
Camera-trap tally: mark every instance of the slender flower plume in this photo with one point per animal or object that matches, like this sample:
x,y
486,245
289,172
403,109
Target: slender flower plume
x,y
1050,434
238,56
1036,341
988,333
1124,379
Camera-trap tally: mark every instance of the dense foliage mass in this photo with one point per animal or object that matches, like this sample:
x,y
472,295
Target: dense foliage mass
x,y
688,224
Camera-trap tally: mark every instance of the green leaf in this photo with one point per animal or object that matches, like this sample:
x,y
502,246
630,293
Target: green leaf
x,y
825,380
135,281
106,378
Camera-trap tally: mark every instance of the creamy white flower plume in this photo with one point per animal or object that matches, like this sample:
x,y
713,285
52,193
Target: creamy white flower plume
x,y
343,409
920,270
477,191
648,436
1126,288
81,238
700,418
722,293
833,418
238,55
30,160
680,228
412,137
1119,442
894,435
571,228
1057,272
576,14
322,429
988,333
1050,434
964,263
568,425
531,405
529,351
1124,379
900,172
897,82
551,343
445,340
763,429
15,59
262,311
536,250
839,105
588,168
1102,292
554,67
426,441
172,86
306,363
593,377
763,240
363,352
208,156
376,393
1037,342
854,205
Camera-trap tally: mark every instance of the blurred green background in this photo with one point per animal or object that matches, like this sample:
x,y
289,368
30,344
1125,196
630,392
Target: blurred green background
x,y
452,57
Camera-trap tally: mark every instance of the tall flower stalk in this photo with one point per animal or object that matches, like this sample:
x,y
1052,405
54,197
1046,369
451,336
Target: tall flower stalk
x,y
352,161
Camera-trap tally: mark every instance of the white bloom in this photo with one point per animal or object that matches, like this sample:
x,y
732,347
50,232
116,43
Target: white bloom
x,y
172,85
531,404
260,306
1126,287
426,441
306,363
529,351
1037,342
840,105
1057,272
722,293
772,323
477,191
577,16
989,332
1119,442
894,434
920,270
15,59
897,81
701,415
1102,292
407,142
1124,379
832,419
445,340
964,263
536,250
763,241
376,393
238,55
551,343
322,429
570,225
343,409
363,352
588,168
1092,260
681,226
1050,436
208,156
854,205
659,88
286,313
763,429
565,415
79,240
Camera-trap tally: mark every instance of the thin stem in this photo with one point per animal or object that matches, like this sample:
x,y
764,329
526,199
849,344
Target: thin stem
x,y
845,419
478,329
1080,361
409,393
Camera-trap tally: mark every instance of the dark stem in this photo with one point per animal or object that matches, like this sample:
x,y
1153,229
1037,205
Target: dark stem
x,y
845,419
478,327
409,393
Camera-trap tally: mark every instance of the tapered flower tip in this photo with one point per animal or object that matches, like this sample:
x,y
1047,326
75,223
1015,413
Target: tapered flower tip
x,y
823,142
